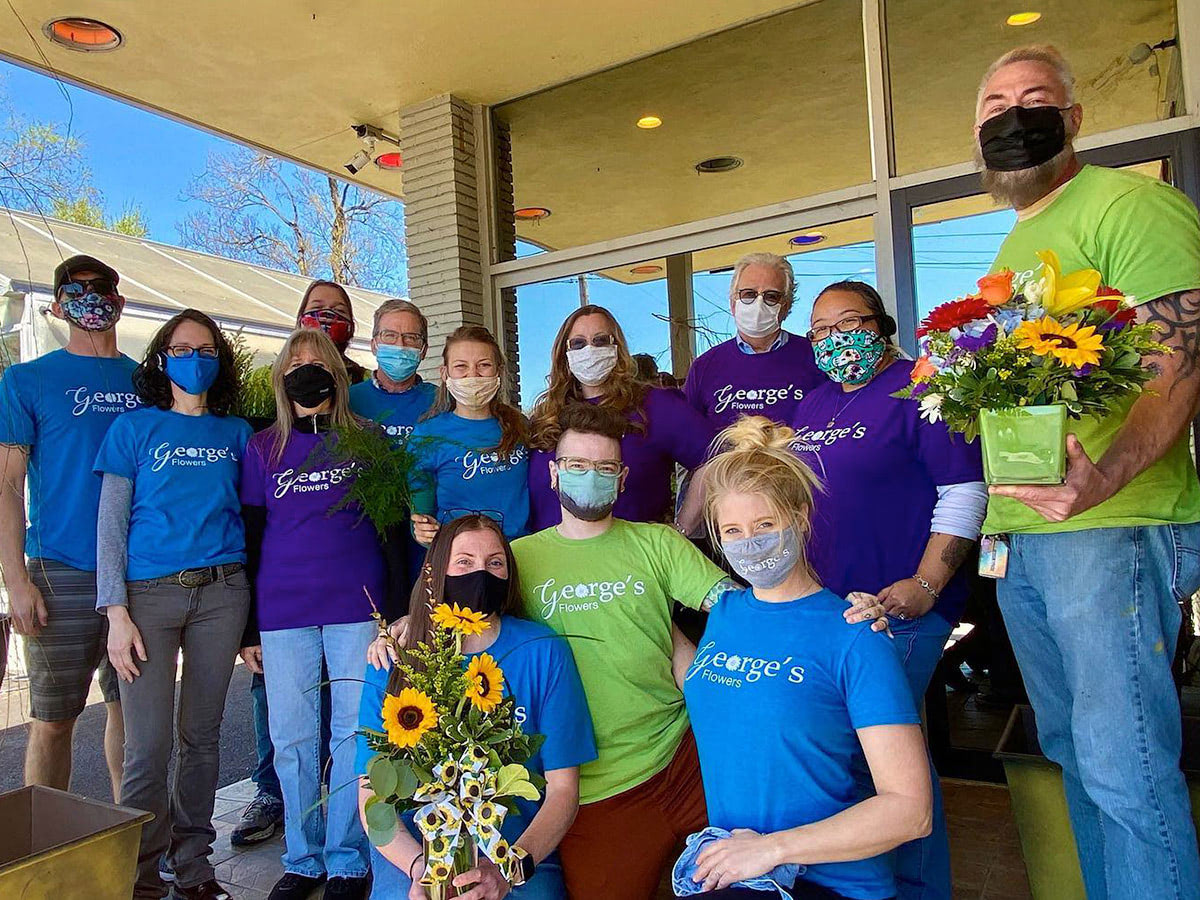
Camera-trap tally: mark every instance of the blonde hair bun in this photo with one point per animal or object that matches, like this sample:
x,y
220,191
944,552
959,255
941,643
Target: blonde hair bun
x,y
754,433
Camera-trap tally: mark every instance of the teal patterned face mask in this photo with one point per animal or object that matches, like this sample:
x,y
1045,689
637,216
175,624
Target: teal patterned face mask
x,y
850,357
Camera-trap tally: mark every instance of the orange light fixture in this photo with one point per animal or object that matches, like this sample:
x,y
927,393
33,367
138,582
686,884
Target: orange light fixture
x,y
531,213
648,122
649,269
1022,18
85,35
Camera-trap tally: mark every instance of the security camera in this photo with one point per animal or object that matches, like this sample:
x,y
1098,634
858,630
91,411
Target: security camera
x,y
363,157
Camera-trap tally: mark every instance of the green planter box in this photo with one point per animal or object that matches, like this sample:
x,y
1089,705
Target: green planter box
x,y
55,845
1040,805
1026,445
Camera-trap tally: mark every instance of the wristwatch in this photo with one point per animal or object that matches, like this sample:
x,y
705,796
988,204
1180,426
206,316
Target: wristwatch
x,y
525,870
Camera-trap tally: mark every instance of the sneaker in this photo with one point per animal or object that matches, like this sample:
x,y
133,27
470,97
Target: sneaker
x,y
259,822
339,888
165,872
293,886
209,890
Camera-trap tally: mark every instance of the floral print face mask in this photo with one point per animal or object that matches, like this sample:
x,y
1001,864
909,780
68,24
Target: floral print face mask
x,y
850,357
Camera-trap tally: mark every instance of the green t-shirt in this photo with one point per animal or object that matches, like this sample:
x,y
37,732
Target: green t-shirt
x,y
611,596
1143,237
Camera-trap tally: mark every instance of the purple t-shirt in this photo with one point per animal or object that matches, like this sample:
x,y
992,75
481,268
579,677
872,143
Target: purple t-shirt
x,y
724,383
314,564
674,433
881,465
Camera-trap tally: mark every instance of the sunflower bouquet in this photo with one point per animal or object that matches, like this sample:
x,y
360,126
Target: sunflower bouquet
x,y
1047,344
452,753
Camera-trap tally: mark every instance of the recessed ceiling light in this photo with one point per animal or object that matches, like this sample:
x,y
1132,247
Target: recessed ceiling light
x,y
1023,18
649,269
85,35
806,239
532,213
389,161
719,164
649,122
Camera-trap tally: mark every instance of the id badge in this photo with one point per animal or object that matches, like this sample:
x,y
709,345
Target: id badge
x,y
993,556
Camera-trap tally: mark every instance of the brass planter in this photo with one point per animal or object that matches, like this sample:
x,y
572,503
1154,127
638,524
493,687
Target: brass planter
x,y
55,845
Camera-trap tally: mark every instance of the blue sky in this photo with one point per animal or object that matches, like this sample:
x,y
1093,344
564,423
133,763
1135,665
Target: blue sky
x,y
141,158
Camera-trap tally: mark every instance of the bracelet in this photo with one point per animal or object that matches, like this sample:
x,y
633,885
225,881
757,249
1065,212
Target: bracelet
x,y
408,871
929,588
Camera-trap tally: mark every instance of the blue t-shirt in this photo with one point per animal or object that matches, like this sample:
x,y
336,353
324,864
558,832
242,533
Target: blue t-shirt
x,y
60,406
540,674
460,457
397,413
186,513
775,695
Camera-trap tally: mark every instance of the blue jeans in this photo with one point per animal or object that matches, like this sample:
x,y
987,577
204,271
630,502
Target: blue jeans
x,y
1094,618
923,867
319,839
391,884
264,777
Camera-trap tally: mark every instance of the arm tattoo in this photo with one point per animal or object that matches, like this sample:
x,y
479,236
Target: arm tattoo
x,y
956,552
714,594
1178,319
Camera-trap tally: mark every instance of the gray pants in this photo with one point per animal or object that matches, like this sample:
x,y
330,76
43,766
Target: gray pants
x,y
206,624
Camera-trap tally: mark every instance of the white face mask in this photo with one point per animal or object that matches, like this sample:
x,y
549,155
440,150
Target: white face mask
x,y
592,365
474,391
756,319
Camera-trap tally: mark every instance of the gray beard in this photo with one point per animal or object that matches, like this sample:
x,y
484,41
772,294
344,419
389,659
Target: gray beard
x,y
1025,187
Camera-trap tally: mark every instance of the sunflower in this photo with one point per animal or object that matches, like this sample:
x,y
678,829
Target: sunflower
x,y
456,618
485,680
1071,345
407,717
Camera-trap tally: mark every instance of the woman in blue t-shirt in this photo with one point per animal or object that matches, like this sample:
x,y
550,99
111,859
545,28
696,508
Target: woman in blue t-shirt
x,y
470,563
310,615
170,577
786,700
470,447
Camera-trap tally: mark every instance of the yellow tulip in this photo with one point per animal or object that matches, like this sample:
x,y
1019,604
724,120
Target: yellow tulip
x,y
1063,294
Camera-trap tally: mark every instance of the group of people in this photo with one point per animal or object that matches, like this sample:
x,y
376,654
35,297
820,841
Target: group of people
x,y
841,518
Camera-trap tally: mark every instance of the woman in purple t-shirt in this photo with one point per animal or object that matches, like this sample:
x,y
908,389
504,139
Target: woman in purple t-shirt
x,y
590,363
312,567
900,511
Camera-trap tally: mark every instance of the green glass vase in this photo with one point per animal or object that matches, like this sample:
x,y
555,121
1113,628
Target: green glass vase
x,y
1025,445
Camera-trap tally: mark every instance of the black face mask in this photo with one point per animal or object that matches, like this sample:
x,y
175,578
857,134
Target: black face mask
x,y
479,590
1022,137
309,385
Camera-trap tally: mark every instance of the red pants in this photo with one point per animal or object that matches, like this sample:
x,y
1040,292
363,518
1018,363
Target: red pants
x,y
618,848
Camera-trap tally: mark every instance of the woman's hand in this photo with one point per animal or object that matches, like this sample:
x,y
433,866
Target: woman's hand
x,y
747,854
124,640
416,871
906,599
425,528
382,654
252,657
488,883
866,607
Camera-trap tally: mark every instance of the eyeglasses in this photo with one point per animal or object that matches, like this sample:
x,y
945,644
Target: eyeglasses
x,y
598,340
578,465
183,351
408,339
325,315
850,323
771,298
102,286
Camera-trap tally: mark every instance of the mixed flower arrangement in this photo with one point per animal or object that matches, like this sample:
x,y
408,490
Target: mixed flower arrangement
x,y
450,750
1048,338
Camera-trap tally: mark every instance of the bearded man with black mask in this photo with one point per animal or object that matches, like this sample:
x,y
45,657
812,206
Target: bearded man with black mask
x,y
1097,565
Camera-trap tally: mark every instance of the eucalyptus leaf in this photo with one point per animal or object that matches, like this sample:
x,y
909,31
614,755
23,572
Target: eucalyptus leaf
x,y
382,774
380,817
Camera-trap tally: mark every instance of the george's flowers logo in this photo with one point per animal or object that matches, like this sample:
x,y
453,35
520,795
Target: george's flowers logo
x,y
750,399
810,440
490,463
189,456
85,400
299,482
584,596
734,670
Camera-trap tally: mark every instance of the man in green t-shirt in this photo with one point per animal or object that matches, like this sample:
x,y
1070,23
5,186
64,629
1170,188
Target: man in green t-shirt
x,y
1098,564
609,585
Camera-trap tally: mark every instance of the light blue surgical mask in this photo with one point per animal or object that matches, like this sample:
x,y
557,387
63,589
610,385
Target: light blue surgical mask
x,y
194,374
765,560
589,495
397,362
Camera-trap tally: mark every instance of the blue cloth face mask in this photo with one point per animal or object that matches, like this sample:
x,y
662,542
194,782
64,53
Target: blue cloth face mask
x,y
589,495
193,374
398,363
850,357
765,560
